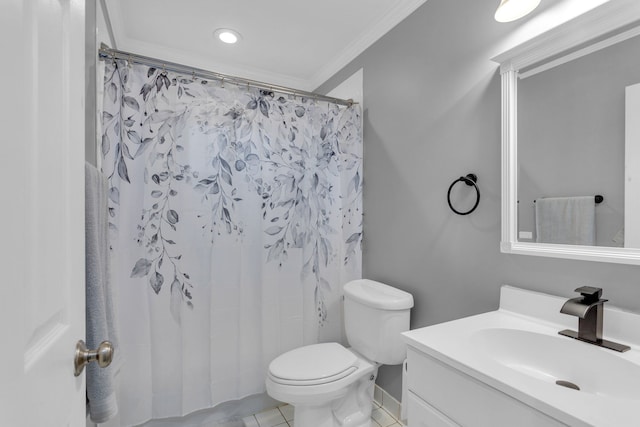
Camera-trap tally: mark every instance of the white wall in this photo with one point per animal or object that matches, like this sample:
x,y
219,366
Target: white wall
x,y
96,32
90,81
351,88
103,29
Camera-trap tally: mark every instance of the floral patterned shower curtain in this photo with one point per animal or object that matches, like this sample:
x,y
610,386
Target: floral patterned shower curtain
x,y
235,217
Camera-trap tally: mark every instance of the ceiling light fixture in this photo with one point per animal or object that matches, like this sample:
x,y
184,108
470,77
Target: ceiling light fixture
x,y
510,10
227,35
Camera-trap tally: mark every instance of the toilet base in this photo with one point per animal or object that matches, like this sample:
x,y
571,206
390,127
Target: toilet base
x,y
353,409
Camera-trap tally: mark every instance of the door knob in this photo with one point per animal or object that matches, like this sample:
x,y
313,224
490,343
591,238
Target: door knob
x,y
103,355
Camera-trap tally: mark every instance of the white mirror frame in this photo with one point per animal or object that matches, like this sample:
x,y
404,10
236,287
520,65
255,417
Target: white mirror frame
x,y
606,25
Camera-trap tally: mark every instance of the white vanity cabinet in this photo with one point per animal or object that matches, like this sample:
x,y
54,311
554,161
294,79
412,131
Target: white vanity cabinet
x,y
442,396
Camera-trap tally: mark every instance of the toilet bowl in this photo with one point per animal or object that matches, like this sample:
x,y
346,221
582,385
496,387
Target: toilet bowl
x,y
330,385
316,381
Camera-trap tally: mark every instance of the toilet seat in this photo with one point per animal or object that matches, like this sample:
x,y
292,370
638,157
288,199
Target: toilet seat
x,y
333,371
313,365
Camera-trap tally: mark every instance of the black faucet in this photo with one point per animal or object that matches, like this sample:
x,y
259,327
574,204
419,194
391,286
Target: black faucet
x,y
590,310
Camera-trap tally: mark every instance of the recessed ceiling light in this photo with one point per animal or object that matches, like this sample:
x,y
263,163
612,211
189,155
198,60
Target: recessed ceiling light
x,y
227,35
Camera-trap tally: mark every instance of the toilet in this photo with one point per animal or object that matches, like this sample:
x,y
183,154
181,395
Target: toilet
x,y
332,386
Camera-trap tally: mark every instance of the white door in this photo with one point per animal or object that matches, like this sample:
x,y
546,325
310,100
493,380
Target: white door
x,y
41,211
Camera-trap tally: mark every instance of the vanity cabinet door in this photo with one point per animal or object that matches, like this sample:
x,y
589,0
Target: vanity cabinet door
x,y
462,399
421,414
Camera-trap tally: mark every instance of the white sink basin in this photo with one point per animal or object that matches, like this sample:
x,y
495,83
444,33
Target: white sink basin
x,y
556,358
517,351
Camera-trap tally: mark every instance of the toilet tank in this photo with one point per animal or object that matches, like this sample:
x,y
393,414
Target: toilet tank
x,y
375,315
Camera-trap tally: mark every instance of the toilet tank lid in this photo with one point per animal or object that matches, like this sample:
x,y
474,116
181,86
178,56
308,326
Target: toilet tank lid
x,y
378,295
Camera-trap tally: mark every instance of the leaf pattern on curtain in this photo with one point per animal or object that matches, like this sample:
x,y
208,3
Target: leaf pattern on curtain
x,y
286,150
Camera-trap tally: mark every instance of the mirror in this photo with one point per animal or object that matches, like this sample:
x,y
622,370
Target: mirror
x,y
564,135
571,142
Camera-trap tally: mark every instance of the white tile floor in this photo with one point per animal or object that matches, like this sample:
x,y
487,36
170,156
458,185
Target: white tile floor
x,y
283,417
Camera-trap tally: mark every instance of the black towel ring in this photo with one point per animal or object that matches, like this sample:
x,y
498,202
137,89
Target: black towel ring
x,y
470,180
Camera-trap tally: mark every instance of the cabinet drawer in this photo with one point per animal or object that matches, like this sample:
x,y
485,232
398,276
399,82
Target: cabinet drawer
x,y
465,400
421,414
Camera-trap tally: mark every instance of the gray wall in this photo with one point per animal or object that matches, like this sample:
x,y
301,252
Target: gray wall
x,y
571,134
432,114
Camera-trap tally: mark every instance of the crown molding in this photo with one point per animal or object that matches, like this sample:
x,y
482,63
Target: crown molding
x,y
124,42
597,23
396,15
199,61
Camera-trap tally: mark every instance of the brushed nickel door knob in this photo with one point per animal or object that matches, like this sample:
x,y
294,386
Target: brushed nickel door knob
x,y
103,355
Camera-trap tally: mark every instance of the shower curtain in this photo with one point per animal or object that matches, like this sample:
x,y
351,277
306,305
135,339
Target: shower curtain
x,y
235,219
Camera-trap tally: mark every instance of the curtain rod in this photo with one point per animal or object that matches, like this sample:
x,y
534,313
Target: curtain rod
x,y
106,53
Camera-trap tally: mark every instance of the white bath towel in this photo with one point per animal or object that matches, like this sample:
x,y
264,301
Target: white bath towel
x,y
566,220
100,312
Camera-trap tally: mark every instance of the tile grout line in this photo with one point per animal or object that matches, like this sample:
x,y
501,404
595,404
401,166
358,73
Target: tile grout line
x,y
256,420
284,416
392,422
376,406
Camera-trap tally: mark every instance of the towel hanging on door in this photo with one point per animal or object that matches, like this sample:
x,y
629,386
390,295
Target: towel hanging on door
x,y
100,312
